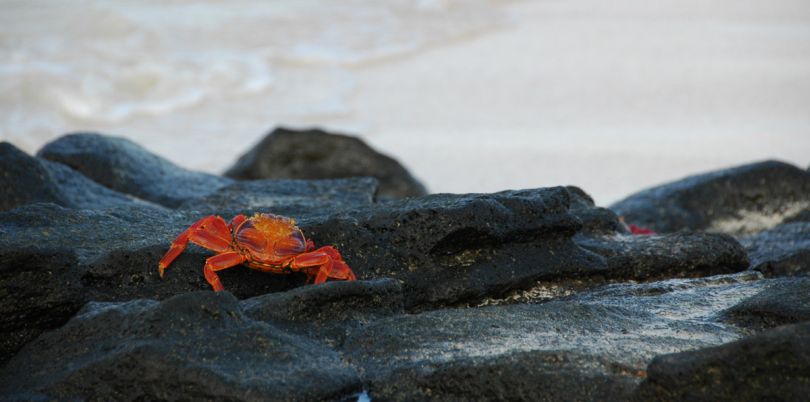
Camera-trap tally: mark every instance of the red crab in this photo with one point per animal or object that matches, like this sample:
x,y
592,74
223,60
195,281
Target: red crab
x,y
266,242
634,229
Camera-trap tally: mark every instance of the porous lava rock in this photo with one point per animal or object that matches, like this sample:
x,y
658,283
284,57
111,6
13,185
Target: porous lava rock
x,y
286,197
316,154
669,255
193,346
26,179
739,200
459,297
781,251
784,301
769,366
446,250
329,312
449,248
55,259
559,350
595,220
126,167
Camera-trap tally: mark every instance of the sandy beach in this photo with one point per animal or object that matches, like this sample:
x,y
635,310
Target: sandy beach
x,y
470,96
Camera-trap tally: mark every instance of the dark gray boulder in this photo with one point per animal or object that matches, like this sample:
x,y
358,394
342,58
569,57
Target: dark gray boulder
x,y
286,197
784,301
670,255
444,248
683,299
54,259
328,312
26,179
126,167
317,154
595,220
37,293
781,251
770,366
551,351
449,248
193,346
739,200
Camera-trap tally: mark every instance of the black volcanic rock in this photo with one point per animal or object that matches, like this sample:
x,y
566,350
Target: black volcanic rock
x,y
669,255
26,179
38,292
739,200
286,197
770,366
551,351
595,220
124,166
446,249
783,301
317,154
193,346
781,251
330,311
53,260
451,248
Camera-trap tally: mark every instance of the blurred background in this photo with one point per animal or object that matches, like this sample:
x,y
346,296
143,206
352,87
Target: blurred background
x,y
470,95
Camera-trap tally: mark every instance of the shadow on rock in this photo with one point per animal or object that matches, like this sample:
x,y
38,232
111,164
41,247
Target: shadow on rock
x,y
783,301
193,346
770,366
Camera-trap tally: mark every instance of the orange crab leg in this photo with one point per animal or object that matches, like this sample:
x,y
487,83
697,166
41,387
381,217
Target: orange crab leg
x,y
210,232
218,263
327,263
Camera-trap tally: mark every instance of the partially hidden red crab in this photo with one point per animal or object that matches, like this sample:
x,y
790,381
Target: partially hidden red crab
x,y
266,242
635,229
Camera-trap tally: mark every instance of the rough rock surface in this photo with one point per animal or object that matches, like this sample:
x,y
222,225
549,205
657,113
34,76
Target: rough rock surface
x,y
461,297
770,366
784,301
328,313
124,166
26,179
739,200
196,345
592,346
670,255
316,154
452,248
595,220
54,259
286,197
444,248
781,251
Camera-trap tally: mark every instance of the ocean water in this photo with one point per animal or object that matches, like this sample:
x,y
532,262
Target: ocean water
x,y
470,95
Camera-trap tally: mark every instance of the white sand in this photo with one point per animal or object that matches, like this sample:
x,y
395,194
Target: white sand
x,y
472,96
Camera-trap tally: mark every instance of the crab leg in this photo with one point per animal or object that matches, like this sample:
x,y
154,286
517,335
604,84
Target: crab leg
x,y
210,232
218,263
327,263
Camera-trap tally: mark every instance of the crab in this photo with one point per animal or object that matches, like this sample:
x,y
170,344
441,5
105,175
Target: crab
x,y
635,229
265,242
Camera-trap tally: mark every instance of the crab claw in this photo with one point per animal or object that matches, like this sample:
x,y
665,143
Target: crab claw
x,y
323,263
